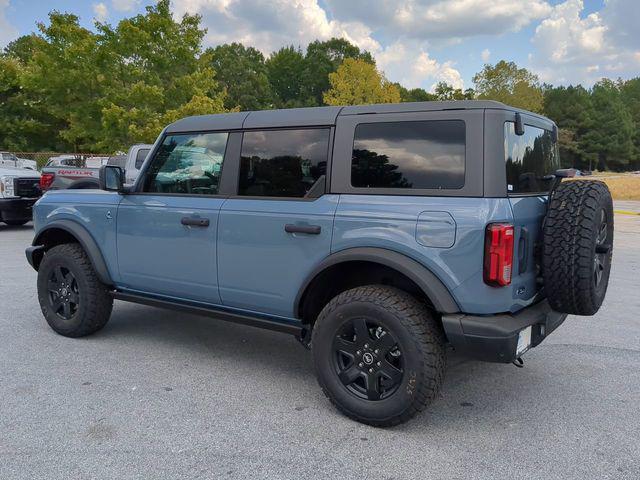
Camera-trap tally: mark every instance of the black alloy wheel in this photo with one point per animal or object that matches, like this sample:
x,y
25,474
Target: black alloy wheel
x,y
601,258
367,359
64,297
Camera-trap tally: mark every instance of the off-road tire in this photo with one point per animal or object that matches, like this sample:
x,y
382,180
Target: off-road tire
x,y
15,223
419,337
94,302
572,249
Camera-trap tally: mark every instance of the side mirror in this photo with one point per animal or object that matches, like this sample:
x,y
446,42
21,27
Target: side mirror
x,y
111,178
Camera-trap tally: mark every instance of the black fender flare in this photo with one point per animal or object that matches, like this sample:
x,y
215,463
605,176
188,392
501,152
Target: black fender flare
x,y
84,238
428,282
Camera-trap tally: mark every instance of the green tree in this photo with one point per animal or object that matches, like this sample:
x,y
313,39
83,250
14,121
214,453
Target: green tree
x,y
242,72
358,82
24,120
444,91
631,97
507,83
158,76
285,69
323,58
610,136
570,108
415,94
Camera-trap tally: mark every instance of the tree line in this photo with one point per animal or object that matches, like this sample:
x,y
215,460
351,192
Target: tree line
x,y
68,88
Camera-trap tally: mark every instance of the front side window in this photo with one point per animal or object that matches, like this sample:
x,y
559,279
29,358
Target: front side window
x,y
283,163
424,155
531,159
187,164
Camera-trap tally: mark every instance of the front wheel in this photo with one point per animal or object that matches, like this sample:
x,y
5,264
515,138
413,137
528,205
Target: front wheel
x,y
379,354
73,301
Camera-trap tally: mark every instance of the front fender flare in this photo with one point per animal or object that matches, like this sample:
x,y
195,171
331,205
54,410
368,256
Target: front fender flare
x,y
84,238
431,285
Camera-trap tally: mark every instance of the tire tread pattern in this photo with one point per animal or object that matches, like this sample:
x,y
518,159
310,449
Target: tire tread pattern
x,y
569,232
425,330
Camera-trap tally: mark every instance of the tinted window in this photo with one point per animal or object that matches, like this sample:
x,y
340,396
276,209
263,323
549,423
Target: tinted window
x,y
283,163
189,163
531,159
140,156
426,154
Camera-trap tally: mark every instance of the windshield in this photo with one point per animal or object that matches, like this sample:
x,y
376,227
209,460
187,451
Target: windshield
x,y
531,159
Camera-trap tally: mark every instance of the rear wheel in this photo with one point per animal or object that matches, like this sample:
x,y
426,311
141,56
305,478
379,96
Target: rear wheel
x,y
378,354
578,245
74,302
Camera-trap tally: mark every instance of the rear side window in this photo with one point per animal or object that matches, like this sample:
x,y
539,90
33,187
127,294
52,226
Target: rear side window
x,y
140,156
531,159
187,164
412,155
283,163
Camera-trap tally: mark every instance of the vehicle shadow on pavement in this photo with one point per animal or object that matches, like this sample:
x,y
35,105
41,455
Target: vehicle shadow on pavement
x,y
473,391
15,228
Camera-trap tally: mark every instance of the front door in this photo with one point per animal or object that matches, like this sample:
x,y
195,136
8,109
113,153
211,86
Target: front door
x,y
278,226
167,230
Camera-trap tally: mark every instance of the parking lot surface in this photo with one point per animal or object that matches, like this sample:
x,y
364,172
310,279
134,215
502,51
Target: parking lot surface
x,y
158,394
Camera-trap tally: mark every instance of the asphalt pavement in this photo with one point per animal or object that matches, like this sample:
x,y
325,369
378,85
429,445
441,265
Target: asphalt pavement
x,y
159,394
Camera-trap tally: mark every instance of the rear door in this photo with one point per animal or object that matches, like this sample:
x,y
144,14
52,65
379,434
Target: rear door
x,y
530,161
166,232
278,225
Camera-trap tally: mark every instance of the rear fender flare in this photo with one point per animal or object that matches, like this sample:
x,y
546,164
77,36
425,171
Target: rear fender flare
x,y
426,280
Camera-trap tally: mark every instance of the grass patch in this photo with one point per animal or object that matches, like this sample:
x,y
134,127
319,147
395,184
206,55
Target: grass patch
x,y
622,186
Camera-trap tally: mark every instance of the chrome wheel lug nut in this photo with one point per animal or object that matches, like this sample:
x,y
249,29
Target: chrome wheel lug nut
x,y
361,364
366,345
358,352
371,370
376,351
378,364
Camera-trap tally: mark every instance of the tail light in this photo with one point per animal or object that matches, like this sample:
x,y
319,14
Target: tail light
x,y
498,254
46,179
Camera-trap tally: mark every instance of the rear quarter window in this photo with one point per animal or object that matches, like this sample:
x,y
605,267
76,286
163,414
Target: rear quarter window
x,y
531,159
409,155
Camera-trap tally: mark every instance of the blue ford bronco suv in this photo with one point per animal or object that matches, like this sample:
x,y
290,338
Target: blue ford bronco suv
x,y
378,235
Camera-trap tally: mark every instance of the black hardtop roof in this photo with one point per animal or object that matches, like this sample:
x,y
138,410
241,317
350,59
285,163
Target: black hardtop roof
x,y
318,116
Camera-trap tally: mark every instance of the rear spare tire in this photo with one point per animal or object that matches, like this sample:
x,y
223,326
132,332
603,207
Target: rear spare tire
x,y
577,246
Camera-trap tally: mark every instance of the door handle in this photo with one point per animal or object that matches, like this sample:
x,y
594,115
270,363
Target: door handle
x,y
309,229
195,222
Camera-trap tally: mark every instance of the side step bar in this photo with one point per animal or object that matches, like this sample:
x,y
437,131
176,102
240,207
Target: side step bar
x,y
210,312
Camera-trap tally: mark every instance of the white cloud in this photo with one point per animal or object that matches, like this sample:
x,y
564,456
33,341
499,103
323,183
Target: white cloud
x,y
485,55
100,11
417,69
570,47
125,5
7,31
271,24
434,19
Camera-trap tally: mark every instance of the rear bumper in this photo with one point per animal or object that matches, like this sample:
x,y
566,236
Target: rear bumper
x,y
16,209
494,338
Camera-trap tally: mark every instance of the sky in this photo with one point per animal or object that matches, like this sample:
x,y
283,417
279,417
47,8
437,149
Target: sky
x,y
415,42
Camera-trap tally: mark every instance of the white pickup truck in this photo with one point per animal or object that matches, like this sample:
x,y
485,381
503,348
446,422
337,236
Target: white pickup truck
x,y
19,190
67,171
8,159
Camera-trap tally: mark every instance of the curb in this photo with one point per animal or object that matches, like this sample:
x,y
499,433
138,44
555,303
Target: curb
x,y
626,212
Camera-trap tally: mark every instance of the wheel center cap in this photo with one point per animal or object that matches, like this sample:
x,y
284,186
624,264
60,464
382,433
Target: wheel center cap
x,y
64,291
367,358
